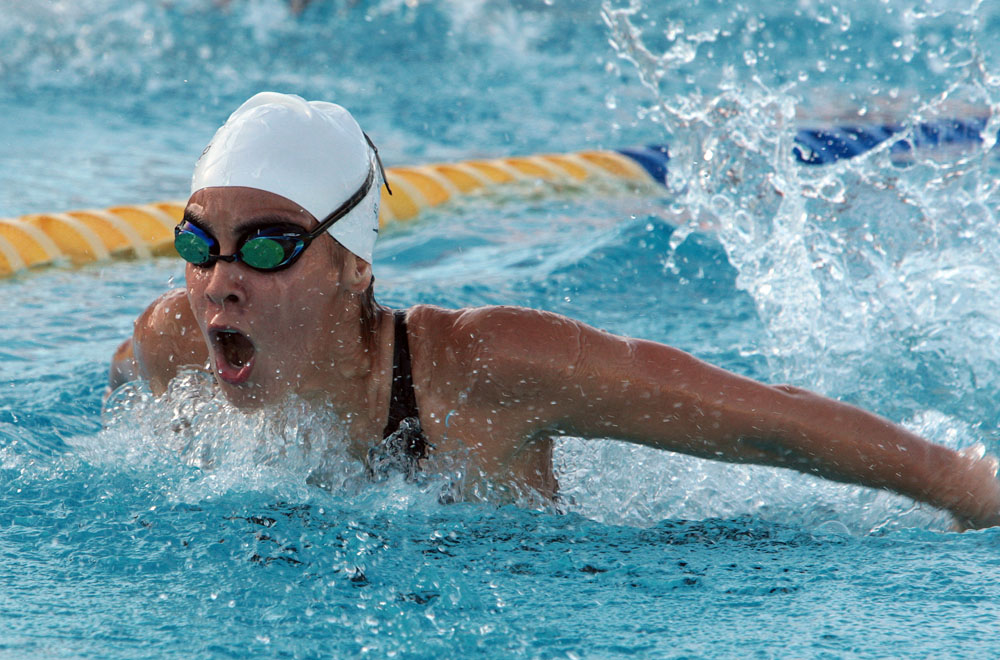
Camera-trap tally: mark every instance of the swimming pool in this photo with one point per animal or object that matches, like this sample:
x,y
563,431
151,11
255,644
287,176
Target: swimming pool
x,y
870,280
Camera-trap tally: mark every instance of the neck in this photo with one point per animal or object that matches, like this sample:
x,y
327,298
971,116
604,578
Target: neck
x,y
354,372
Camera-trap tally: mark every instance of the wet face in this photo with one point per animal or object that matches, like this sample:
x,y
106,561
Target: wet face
x,y
267,333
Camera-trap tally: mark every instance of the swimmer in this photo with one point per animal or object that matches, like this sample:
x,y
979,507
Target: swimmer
x,y
278,234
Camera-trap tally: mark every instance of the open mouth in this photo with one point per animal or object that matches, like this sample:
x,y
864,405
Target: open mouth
x,y
234,355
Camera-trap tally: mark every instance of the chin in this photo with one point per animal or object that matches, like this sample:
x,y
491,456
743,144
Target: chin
x,y
245,396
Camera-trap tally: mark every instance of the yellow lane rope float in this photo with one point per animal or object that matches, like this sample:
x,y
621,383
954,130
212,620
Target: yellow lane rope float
x,y
79,237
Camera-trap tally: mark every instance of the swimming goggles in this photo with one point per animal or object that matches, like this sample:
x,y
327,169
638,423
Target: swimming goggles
x,y
270,248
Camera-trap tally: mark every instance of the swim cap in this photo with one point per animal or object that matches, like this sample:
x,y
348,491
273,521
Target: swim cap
x,y
310,152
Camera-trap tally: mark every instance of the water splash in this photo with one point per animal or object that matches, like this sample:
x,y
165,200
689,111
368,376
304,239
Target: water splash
x,y
200,447
879,260
865,255
194,446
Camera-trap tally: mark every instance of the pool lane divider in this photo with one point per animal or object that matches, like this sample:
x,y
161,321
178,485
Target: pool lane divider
x,y
822,146
144,230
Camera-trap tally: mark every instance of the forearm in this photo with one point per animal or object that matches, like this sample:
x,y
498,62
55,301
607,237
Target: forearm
x,y
745,422
841,442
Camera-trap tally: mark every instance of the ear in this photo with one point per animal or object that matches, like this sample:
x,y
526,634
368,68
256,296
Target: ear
x,y
355,273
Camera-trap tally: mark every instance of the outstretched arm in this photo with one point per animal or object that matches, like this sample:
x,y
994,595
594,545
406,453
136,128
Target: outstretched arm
x,y
648,393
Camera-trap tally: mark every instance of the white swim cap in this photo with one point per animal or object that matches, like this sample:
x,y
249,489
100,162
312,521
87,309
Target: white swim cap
x,y
312,153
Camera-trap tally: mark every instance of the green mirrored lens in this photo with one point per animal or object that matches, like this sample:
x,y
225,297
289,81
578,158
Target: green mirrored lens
x,y
192,248
262,252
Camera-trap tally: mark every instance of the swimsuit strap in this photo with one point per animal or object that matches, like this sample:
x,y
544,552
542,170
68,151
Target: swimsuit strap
x,y
403,400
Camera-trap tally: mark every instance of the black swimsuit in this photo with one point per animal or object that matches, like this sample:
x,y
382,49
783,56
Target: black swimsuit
x,y
403,442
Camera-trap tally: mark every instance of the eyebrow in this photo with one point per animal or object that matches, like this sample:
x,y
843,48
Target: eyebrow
x,y
194,218
262,221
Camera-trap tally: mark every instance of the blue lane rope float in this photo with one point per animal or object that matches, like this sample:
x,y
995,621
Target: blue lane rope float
x,y
828,145
77,237
653,158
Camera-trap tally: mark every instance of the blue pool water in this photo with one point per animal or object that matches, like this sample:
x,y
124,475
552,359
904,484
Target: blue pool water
x,y
873,280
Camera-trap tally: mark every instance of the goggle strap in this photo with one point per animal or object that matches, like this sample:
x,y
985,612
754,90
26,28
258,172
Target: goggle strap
x,y
378,159
346,207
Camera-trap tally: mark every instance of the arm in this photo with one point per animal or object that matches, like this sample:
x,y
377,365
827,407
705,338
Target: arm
x,y
601,385
123,368
167,338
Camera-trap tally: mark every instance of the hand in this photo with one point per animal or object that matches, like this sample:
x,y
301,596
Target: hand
x,y
980,505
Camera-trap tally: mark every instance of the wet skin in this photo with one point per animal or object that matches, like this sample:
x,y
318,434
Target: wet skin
x,y
496,384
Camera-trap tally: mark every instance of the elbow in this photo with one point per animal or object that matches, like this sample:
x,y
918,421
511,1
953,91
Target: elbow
x,y
794,391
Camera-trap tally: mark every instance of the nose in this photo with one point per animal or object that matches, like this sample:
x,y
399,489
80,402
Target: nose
x,y
225,284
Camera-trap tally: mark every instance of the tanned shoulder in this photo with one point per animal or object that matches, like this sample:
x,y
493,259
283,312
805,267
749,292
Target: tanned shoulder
x,y
511,348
